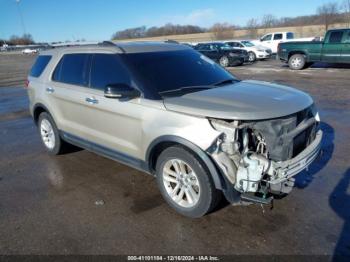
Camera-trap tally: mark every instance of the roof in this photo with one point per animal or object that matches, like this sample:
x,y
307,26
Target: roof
x,y
121,47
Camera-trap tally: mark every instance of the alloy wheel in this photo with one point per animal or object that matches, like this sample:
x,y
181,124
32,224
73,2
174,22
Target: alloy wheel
x,y
181,183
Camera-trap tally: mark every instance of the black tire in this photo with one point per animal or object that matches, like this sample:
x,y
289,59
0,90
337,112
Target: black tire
x,y
224,61
297,62
209,196
307,65
60,146
251,57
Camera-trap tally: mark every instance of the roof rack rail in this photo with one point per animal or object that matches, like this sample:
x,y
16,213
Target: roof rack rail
x,y
110,43
107,43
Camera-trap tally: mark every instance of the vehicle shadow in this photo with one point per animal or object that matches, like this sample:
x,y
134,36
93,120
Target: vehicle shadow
x,y
339,200
303,179
330,65
323,65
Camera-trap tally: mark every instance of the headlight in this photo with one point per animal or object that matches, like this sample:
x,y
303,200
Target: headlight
x,y
261,50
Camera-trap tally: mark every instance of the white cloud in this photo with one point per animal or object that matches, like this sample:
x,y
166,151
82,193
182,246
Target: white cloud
x,y
200,17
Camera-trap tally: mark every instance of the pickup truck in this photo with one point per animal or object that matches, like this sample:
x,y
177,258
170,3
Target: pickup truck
x,y
334,49
271,40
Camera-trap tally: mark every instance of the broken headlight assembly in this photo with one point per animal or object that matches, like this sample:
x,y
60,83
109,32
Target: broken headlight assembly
x,y
262,157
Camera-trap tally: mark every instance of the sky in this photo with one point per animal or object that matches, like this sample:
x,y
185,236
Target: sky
x,y
96,20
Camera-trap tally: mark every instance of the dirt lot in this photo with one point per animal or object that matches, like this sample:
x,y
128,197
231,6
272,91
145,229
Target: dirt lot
x,y
48,204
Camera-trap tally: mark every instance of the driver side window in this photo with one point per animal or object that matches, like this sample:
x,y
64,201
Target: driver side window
x,y
266,38
106,69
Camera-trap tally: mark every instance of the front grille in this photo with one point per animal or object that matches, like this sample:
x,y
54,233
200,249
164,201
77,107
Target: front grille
x,y
283,140
302,140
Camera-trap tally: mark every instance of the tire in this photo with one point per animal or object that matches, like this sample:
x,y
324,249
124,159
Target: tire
x,y
49,135
297,62
307,65
224,61
194,193
251,57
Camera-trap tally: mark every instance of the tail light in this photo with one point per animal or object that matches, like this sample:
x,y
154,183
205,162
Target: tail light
x,y
26,83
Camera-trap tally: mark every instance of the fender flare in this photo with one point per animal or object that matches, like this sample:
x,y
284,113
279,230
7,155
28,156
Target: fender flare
x,y
218,180
37,105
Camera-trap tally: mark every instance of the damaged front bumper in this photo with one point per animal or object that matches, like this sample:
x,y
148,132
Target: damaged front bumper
x,y
285,170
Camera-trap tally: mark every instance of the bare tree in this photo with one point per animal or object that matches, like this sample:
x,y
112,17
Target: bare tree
x,y
328,13
25,39
346,6
252,27
268,21
222,31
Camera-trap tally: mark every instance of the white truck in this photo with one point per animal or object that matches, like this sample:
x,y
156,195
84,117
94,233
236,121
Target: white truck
x,y
271,40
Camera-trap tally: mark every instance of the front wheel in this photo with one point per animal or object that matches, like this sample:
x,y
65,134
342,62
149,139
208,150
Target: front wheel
x,y
224,61
297,62
251,57
185,183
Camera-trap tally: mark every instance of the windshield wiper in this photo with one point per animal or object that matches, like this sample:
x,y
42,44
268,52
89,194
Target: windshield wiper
x,y
186,88
224,82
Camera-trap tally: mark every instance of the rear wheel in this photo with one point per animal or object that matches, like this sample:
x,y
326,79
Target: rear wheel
x,y
49,134
297,62
185,183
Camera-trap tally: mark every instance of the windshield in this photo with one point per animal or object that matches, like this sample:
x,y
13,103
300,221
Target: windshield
x,y
247,43
159,72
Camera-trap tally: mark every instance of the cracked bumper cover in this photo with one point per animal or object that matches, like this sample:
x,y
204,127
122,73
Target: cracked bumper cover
x,y
287,169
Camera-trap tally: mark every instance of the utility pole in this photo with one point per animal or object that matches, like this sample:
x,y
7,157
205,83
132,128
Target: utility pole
x,y
21,16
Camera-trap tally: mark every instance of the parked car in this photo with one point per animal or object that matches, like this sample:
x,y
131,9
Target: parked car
x,y
334,49
222,53
254,52
29,51
169,111
272,40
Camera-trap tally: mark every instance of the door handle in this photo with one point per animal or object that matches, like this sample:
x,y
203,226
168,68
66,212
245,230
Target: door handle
x,y
91,100
50,90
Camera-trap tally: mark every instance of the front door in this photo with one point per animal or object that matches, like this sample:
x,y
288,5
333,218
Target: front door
x,y
332,47
117,124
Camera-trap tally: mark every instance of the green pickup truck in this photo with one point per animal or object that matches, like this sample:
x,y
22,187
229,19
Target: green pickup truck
x,y
334,49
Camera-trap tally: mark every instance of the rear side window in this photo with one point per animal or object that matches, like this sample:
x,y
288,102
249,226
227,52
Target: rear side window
x,y
40,65
290,36
335,37
106,69
278,37
73,69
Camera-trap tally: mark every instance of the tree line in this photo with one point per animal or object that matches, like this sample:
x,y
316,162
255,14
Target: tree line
x,y
25,39
326,14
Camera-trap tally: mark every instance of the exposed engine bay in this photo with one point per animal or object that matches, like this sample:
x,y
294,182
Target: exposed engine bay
x,y
261,157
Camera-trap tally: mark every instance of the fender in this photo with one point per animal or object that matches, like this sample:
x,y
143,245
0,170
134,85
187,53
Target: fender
x,y
215,174
37,105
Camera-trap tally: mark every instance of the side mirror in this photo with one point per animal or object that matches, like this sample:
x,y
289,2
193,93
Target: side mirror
x,y
121,91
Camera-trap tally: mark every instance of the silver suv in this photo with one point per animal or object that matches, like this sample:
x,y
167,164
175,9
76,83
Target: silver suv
x,y
169,111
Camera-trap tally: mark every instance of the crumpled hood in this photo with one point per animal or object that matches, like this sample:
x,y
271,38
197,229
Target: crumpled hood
x,y
245,100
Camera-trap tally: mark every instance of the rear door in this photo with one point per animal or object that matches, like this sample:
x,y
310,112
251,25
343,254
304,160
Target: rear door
x,y
345,52
69,91
332,48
